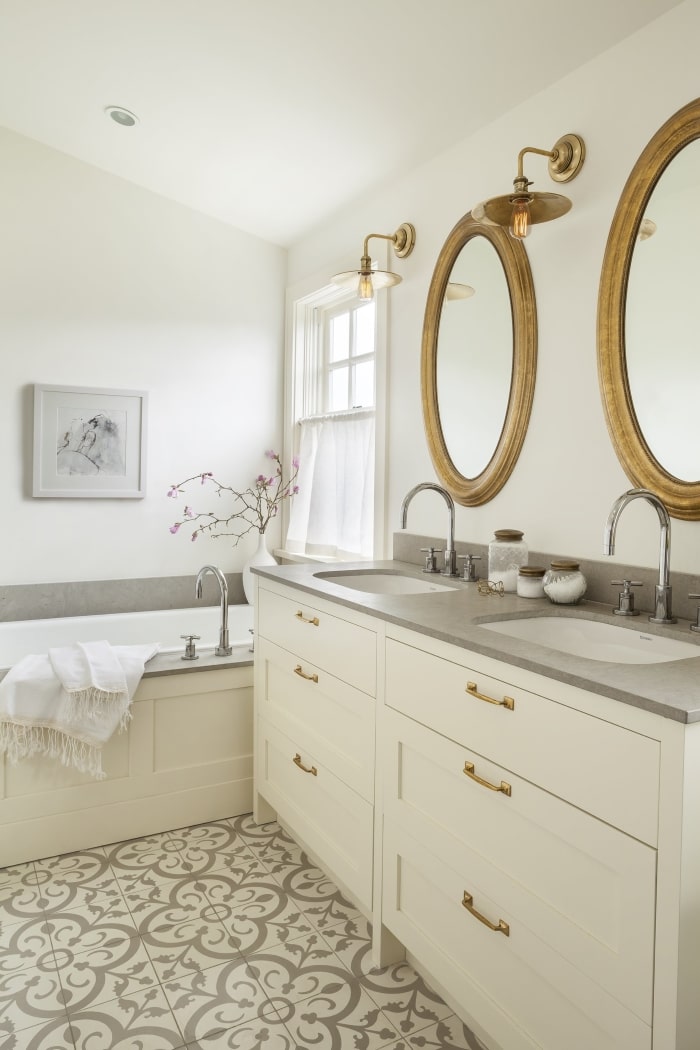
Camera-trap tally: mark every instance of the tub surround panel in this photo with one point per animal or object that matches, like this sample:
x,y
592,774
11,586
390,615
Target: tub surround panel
x,y
35,601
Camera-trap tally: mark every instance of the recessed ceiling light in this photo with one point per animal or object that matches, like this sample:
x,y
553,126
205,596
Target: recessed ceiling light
x,y
122,116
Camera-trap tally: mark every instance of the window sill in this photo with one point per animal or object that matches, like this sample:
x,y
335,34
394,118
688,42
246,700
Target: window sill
x,y
321,559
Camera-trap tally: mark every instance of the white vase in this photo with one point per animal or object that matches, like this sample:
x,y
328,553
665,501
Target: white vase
x,y
260,556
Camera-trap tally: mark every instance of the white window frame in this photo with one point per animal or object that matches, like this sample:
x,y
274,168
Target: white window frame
x,y
303,351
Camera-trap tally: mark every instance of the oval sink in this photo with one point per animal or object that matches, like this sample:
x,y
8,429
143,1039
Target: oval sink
x,y
382,582
595,640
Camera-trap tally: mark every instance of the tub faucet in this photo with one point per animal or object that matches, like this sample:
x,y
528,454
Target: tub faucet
x,y
450,552
223,648
662,591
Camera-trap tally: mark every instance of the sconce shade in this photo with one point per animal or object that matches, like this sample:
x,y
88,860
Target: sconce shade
x,y
367,279
523,208
454,291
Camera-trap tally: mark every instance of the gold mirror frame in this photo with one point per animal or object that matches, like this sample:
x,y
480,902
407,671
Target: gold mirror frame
x,y
471,492
682,498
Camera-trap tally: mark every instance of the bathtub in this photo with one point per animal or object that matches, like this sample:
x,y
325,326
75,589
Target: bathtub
x,y
185,758
19,638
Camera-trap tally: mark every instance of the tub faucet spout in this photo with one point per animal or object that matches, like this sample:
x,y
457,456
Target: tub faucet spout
x,y
450,552
662,604
223,648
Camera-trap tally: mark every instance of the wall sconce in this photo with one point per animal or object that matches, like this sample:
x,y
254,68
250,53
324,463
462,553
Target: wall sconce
x,y
519,210
366,279
455,292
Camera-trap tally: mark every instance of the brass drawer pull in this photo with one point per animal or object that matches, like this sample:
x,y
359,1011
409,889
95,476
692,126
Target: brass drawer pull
x,y
469,771
499,927
306,619
307,769
508,702
303,674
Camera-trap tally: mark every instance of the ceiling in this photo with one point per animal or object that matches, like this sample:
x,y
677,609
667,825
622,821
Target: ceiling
x,y
271,115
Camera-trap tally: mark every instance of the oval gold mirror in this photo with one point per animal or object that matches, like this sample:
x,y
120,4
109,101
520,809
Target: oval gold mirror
x,y
478,359
648,363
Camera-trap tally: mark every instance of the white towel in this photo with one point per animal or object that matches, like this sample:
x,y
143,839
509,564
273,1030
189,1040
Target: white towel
x,y
91,675
39,716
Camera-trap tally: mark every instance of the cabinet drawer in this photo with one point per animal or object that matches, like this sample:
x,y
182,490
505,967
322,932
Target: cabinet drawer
x,y
604,769
332,820
328,641
585,890
327,716
517,987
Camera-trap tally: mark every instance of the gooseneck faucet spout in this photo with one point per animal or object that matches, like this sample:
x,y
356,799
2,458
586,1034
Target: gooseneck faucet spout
x,y
450,552
223,648
662,604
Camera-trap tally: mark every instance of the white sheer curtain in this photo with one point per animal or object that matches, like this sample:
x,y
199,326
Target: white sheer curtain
x,y
333,512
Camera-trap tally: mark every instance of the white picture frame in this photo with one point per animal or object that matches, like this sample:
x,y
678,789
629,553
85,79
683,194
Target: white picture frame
x,y
89,442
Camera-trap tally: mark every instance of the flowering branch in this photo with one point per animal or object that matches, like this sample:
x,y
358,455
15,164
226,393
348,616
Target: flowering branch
x,y
253,508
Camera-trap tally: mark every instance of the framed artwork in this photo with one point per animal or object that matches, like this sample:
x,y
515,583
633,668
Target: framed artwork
x,y
89,443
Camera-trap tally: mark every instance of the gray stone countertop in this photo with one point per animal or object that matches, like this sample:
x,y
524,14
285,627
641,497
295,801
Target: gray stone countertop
x,y
670,689
172,663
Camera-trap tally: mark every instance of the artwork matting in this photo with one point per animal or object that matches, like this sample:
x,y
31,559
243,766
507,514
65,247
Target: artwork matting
x,y
89,442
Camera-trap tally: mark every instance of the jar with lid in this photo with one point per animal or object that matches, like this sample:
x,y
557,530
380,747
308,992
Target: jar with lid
x,y
564,583
507,552
531,581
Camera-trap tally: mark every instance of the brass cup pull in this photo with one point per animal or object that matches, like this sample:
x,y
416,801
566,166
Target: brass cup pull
x,y
498,927
306,769
508,702
306,619
469,771
303,674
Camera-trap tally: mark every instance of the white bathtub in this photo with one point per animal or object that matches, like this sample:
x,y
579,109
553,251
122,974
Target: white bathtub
x,y
185,758
19,638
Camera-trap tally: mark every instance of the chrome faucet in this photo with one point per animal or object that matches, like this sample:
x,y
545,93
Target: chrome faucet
x,y
450,553
223,648
662,591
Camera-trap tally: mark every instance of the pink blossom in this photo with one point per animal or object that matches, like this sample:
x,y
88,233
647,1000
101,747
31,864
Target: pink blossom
x,y
189,513
173,491
271,454
260,479
295,462
295,490
204,477
174,528
194,536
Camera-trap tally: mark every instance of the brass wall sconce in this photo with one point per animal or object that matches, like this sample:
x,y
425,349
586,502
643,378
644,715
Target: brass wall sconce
x,y
522,208
367,279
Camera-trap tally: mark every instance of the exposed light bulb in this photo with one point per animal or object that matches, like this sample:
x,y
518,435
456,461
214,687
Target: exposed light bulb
x,y
520,218
365,289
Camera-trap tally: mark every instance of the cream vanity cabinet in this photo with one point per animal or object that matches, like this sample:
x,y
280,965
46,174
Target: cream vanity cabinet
x,y
315,688
534,859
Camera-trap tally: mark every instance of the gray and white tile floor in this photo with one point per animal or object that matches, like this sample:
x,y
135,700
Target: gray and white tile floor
x,y
222,936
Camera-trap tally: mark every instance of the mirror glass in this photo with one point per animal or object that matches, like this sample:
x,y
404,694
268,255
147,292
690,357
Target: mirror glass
x,y
478,359
474,357
648,313
662,314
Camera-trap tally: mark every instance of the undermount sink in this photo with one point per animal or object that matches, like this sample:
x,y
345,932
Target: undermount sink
x,y
381,582
595,640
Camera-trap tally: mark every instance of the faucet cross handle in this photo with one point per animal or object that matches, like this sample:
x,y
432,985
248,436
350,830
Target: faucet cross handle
x,y
469,573
430,558
625,599
696,626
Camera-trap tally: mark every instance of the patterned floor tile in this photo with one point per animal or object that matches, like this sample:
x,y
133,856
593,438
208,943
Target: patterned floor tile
x,y
448,1034
298,969
23,943
16,873
75,880
319,898
29,997
352,942
142,1021
259,1034
193,945
104,921
344,1018
213,1000
20,898
209,847
50,1035
100,974
404,997
258,915
167,903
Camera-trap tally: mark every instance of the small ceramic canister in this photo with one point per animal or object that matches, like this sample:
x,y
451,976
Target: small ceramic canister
x,y
531,581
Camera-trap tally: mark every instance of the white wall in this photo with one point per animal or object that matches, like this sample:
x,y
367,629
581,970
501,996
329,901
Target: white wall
x,y
104,284
568,475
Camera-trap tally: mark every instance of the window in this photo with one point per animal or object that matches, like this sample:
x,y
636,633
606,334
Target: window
x,y
335,374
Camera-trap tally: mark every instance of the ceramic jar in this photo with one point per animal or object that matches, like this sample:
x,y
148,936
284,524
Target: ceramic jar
x,y
564,583
507,552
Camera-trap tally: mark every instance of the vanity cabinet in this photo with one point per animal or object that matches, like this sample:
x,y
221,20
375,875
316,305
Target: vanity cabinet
x,y
316,681
532,846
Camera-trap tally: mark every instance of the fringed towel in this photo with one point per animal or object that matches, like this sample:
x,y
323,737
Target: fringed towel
x,y
68,703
